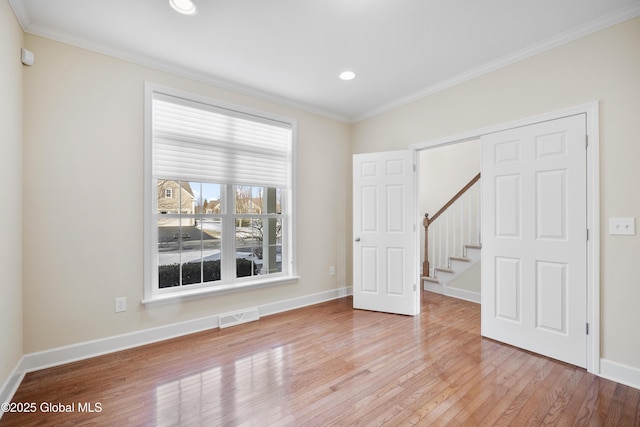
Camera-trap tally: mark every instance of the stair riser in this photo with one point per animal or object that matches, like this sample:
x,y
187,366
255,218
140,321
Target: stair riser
x,y
457,266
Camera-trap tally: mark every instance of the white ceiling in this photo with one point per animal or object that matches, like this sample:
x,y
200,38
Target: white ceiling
x,y
292,51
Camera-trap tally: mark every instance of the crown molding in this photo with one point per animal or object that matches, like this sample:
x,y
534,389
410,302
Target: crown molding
x,y
177,70
548,44
21,13
166,66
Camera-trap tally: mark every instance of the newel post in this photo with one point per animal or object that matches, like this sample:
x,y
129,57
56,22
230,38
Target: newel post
x,y
425,263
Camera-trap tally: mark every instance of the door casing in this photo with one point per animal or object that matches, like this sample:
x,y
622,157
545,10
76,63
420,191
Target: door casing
x,y
591,110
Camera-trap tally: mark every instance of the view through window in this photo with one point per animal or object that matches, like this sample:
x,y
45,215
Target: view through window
x,y
219,186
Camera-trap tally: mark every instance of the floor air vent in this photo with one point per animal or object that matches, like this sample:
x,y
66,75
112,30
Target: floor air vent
x,y
238,317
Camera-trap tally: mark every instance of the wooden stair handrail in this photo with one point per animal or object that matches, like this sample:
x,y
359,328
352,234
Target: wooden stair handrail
x,y
427,221
454,198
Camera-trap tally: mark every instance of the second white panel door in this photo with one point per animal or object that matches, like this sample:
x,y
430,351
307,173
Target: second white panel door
x,y
534,283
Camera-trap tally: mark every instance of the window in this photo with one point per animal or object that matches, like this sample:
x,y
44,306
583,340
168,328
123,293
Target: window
x,y
218,196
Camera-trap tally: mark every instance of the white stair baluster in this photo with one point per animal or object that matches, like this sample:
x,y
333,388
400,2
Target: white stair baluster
x,y
478,212
446,240
452,250
469,210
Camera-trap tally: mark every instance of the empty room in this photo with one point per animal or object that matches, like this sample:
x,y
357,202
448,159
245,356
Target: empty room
x,y
319,213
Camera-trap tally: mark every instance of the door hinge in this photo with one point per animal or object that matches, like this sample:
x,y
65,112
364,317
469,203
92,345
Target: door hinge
x,y
586,141
587,329
587,234
415,288
414,167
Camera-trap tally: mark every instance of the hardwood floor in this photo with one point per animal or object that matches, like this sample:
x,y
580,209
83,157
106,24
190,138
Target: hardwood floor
x,y
329,365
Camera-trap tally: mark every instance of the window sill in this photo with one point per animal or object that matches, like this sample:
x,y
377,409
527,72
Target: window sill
x,y
185,295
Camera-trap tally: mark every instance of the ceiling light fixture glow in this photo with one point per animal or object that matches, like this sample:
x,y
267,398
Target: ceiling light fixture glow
x,y
186,7
347,75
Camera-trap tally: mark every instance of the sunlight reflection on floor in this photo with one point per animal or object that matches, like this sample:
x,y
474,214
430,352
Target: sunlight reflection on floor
x,y
225,392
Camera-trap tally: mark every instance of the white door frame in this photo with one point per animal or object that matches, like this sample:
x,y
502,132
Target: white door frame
x,y
591,110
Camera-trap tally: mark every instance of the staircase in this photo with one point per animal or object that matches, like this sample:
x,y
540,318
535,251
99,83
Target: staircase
x,y
445,279
453,246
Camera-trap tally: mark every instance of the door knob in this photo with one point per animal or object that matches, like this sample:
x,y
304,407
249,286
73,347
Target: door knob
x,y
357,239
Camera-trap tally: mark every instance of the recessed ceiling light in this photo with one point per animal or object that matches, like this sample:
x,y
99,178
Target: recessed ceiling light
x,y
347,75
186,7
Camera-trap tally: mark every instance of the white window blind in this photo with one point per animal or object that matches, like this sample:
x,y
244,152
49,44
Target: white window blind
x,y
201,142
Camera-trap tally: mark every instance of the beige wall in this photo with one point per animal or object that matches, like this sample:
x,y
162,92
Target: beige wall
x,y
469,280
444,171
83,199
604,67
82,179
11,179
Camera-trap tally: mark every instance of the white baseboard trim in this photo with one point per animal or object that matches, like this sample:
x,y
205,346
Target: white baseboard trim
x,y
620,373
436,288
71,353
290,304
12,383
462,294
452,292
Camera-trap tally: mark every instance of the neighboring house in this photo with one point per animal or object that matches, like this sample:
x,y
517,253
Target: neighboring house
x,y
178,197
175,197
212,207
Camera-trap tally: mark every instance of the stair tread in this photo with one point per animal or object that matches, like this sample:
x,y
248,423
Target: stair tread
x,y
473,246
430,279
445,269
460,258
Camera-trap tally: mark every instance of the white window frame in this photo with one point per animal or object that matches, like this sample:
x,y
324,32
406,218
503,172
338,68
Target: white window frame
x,y
152,293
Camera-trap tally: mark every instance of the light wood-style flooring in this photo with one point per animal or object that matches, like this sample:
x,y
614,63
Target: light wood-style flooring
x,y
329,365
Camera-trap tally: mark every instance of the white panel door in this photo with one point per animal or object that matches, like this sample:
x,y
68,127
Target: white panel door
x,y
384,228
534,244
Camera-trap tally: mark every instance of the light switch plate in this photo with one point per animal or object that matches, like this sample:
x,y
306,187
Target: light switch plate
x,y
622,226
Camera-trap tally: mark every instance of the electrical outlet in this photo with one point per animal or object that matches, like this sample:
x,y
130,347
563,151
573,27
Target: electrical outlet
x,y
121,304
332,271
